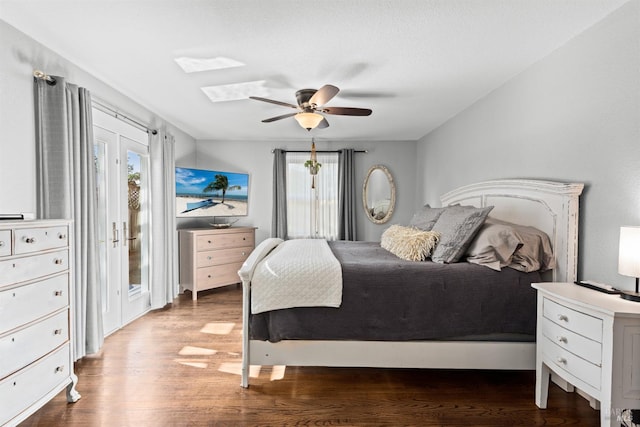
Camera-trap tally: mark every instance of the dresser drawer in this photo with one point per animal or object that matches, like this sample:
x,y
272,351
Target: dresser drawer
x,y
576,321
21,390
19,306
569,362
26,268
575,343
222,256
5,242
218,275
29,240
31,343
223,241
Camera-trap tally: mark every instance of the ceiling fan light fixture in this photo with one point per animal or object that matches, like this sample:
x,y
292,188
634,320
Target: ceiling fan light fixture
x,y
308,120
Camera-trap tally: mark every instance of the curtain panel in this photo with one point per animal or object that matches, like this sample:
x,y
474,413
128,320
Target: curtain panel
x,y
347,195
279,213
164,235
66,189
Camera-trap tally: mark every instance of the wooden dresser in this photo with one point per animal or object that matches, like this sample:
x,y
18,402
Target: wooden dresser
x,y
210,258
36,352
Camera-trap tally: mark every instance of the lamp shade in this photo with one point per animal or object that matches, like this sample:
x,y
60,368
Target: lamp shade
x,y
308,120
629,256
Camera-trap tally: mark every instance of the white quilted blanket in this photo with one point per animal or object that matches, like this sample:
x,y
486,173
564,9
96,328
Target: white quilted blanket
x,y
297,273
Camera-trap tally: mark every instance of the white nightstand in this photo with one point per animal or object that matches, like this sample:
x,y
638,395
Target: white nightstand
x,y
591,340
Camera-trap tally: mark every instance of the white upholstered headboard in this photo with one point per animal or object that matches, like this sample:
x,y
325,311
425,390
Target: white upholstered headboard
x,y
549,206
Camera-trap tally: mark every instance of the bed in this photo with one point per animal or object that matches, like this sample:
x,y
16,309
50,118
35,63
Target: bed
x,y
551,207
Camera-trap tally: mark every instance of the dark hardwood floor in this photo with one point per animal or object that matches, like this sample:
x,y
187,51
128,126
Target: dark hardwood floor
x,y
180,367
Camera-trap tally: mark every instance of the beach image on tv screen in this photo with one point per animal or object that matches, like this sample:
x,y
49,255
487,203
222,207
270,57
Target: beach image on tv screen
x,y
211,193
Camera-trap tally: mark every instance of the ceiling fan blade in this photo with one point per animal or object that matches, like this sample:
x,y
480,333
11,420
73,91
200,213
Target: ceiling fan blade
x,y
347,111
273,119
324,95
323,124
271,101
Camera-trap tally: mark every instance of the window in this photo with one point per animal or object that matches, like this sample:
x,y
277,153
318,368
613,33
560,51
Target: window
x,y
312,212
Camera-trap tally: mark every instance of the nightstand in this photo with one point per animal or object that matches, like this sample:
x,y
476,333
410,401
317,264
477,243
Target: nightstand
x,y
591,340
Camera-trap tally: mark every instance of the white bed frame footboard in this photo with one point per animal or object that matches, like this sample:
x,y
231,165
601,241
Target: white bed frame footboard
x,y
549,206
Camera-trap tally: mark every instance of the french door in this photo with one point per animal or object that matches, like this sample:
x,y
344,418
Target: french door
x,y
122,164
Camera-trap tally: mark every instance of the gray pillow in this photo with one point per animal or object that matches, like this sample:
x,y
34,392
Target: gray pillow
x,y
425,218
494,245
457,226
535,253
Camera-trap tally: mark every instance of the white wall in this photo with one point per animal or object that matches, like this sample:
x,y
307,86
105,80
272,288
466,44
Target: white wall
x,y
19,56
573,116
256,159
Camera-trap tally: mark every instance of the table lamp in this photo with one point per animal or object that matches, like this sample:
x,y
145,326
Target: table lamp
x,y
629,259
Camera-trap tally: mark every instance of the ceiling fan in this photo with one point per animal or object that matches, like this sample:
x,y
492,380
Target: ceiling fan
x,y
310,103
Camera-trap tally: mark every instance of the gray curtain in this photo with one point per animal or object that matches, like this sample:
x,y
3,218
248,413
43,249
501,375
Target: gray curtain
x,y
347,204
164,254
66,189
279,217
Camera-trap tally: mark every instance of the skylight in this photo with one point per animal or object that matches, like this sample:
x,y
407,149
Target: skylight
x,y
193,65
235,91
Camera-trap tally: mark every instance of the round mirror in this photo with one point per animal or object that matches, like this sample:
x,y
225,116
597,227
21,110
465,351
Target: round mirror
x,y
379,194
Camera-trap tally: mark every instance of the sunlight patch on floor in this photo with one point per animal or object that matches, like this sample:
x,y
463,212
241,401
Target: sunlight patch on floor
x,y
218,328
192,363
236,369
277,372
196,351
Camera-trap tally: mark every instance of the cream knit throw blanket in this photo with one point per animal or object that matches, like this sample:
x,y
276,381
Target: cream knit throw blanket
x,y
296,273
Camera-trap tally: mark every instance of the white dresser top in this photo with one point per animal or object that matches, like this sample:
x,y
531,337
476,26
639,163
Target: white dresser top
x,y
612,305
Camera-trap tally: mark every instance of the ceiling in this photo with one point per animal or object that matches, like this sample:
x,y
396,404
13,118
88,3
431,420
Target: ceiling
x,y
415,63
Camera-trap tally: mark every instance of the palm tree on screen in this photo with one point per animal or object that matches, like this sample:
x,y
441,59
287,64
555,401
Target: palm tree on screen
x,y
221,183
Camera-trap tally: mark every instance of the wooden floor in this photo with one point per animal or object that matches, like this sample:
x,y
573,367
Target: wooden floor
x,y
180,367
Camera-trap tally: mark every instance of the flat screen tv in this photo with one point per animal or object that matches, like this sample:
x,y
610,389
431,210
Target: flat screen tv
x,y
210,193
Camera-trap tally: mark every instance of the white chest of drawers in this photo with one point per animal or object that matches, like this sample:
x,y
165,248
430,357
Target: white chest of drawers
x,y
592,341
36,360
210,258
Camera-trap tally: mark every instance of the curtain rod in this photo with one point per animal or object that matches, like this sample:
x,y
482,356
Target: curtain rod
x,y
318,151
41,75
118,115
98,104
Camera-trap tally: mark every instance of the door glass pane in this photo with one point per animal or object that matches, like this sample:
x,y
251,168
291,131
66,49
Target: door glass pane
x,y
136,227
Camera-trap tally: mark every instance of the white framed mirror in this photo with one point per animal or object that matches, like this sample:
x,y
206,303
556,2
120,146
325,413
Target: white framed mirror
x,y
379,194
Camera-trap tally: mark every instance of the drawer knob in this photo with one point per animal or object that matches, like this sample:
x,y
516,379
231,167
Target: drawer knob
x,y
62,236
59,369
561,360
209,241
563,318
58,261
562,339
57,332
30,239
209,258
1,243
58,293
209,276
243,253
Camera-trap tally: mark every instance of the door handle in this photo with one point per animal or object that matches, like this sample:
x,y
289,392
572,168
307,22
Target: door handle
x,y
125,233
115,235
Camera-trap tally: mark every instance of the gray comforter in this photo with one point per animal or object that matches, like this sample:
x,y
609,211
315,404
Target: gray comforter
x,y
388,299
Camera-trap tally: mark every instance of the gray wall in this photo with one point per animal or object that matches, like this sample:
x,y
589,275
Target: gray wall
x,y
573,116
256,159
19,56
